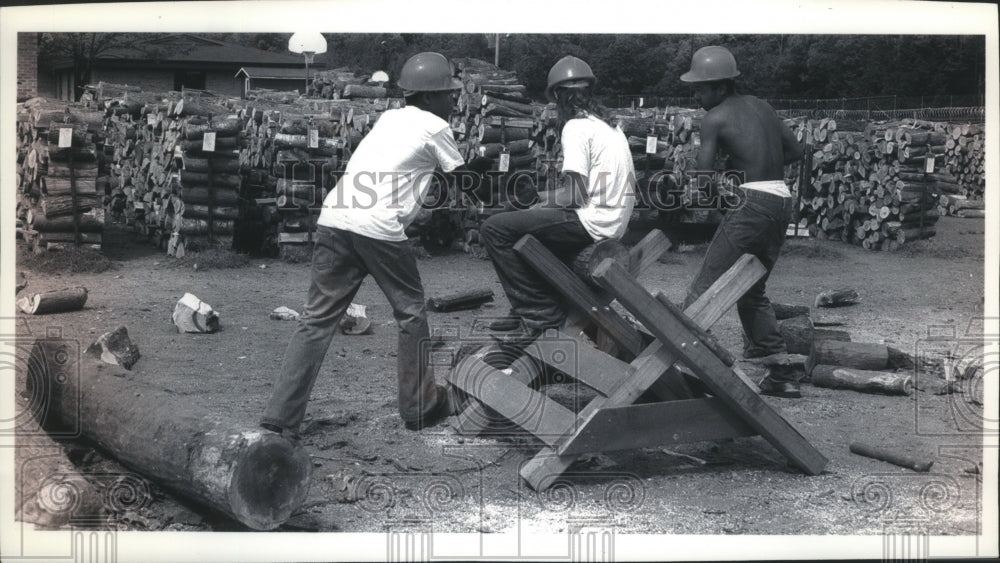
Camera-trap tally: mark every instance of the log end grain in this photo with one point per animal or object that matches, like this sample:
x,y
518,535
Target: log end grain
x,y
270,481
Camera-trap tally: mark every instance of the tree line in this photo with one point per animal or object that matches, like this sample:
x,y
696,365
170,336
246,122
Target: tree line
x,y
772,66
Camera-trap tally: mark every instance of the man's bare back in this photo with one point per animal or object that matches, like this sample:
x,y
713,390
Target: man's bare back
x,y
749,131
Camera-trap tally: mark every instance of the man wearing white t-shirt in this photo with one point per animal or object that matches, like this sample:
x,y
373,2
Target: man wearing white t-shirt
x,y
360,232
594,201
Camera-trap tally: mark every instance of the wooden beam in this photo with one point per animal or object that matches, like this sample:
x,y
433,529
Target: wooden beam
x,y
644,254
658,424
580,361
726,385
577,292
650,365
542,417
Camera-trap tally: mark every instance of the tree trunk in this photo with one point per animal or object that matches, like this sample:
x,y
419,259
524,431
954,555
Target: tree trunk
x,y
858,355
784,311
799,334
258,478
862,380
59,301
40,222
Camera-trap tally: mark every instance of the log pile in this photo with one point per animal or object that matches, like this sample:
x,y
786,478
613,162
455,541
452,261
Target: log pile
x,y
495,118
58,177
871,184
340,83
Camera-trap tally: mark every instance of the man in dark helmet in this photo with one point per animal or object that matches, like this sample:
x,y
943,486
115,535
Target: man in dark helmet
x,y
593,202
360,232
758,145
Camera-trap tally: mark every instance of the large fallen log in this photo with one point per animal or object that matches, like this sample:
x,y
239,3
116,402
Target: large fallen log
x,y
257,477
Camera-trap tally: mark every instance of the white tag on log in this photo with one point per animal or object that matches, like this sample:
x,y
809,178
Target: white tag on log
x,y
313,138
65,137
151,118
929,165
208,141
504,162
696,139
651,144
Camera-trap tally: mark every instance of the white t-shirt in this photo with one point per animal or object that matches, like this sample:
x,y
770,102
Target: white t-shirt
x,y
594,149
389,173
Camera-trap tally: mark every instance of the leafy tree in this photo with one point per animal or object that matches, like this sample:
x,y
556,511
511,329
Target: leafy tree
x,y
82,49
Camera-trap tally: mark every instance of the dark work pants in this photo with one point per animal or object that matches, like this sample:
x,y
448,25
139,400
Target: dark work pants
x,y
530,296
341,261
757,228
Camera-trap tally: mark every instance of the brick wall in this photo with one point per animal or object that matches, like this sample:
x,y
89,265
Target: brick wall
x,y
27,65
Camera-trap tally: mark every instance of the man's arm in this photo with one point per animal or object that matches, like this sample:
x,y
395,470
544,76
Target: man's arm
x,y
790,145
711,126
571,193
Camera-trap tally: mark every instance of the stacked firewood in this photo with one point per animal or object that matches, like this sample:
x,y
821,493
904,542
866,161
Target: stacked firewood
x,y
876,185
495,118
340,83
965,160
60,195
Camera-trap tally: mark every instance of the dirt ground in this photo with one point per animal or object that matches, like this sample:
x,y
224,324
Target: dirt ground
x,y
372,475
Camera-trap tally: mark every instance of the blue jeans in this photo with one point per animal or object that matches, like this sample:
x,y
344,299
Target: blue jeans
x,y
341,260
530,296
758,228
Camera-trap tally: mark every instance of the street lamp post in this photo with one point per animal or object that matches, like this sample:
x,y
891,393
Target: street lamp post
x,y
309,44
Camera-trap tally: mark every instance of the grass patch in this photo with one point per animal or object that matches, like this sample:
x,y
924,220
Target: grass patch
x,y
296,253
928,248
212,259
811,248
79,260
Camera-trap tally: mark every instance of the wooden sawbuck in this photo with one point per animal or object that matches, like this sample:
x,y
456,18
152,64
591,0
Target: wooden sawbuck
x,y
712,401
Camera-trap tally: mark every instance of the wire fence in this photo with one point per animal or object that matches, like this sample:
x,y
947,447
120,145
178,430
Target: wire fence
x,y
942,106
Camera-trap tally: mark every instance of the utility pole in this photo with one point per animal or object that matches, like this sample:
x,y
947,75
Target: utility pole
x,y
496,51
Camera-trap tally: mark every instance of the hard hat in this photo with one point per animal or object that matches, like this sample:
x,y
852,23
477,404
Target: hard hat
x,y
427,72
711,63
569,72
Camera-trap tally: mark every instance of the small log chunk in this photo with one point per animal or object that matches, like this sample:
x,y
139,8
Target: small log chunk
x,y
355,321
58,301
799,334
838,297
889,383
786,366
894,458
115,348
857,355
784,311
460,301
194,315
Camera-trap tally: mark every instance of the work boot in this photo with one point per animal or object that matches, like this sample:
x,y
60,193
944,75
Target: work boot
x,y
776,388
441,411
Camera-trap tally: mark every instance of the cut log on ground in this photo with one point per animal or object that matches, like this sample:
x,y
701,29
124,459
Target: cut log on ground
x,y
194,315
115,348
837,297
857,355
461,301
894,458
784,311
800,333
58,301
257,477
834,377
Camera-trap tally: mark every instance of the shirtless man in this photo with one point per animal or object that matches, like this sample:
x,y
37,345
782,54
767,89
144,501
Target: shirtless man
x,y
758,145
